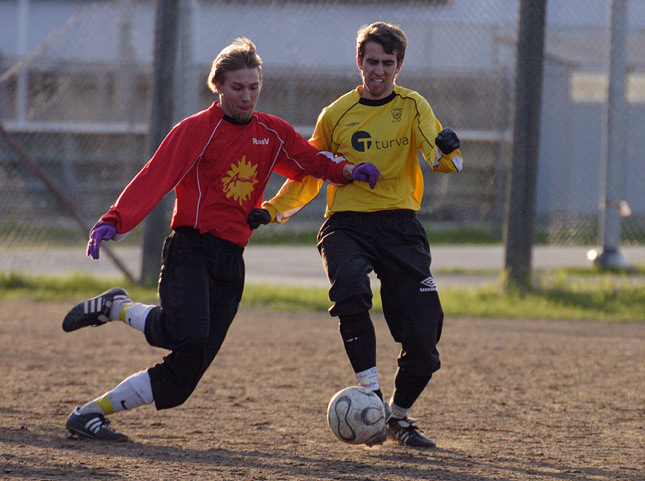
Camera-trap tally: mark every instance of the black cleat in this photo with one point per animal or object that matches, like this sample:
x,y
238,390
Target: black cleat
x,y
95,311
403,431
94,426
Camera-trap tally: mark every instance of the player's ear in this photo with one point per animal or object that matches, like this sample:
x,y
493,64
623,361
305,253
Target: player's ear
x,y
398,67
359,62
220,83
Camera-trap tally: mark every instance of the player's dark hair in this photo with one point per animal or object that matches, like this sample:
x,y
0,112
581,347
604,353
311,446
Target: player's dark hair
x,y
389,36
238,55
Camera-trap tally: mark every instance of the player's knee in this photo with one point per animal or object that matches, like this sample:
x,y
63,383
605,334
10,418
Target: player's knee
x,y
179,394
353,275
194,341
350,293
423,366
429,364
176,382
355,325
421,357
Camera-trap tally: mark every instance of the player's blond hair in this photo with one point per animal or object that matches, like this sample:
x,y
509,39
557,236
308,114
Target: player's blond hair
x,y
390,37
238,55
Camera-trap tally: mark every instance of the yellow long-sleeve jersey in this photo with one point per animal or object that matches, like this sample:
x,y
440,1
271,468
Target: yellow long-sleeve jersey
x,y
387,132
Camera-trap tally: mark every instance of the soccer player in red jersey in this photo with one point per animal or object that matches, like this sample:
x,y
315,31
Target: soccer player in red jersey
x,y
218,161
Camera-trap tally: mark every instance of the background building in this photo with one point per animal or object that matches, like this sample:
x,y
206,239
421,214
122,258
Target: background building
x,y
76,76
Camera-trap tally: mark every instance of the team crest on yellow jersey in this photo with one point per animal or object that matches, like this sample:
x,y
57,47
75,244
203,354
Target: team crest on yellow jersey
x,y
239,180
397,112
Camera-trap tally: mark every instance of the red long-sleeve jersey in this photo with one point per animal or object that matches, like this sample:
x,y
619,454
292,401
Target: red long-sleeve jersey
x,y
219,170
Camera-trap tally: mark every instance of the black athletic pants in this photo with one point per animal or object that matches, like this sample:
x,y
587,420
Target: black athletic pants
x,y
394,245
200,288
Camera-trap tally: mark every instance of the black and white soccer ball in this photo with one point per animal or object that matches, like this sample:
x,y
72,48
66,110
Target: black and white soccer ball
x,y
356,415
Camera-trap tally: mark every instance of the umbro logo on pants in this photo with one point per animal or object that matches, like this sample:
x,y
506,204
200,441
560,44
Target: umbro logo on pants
x,y
429,283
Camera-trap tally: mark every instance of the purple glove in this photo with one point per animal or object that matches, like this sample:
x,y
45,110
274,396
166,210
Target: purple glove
x,y
100,232
366,172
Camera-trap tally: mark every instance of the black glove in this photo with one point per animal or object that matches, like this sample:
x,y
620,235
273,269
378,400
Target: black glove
x,y
257,217
447,141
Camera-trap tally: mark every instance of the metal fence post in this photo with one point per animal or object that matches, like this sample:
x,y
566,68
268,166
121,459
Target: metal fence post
x,y
186,82
156,224
520,200
22,81
615,127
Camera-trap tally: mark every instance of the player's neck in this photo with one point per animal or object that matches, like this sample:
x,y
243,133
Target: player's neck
x,y
365,93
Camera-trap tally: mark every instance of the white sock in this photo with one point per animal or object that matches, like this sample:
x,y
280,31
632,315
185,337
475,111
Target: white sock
x,y
90,407
133,392
117,307
397,411
135,315
369,379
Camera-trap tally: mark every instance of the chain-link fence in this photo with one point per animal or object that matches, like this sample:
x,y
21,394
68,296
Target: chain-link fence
x,y
76,81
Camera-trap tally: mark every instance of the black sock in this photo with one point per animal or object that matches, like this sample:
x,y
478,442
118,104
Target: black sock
x,y
407,388
357,332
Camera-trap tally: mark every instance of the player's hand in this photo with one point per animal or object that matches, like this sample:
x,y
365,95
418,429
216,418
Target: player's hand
x,y
100,232
258,217
447,141
366,172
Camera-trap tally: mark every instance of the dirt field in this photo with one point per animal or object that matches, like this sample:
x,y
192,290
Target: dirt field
x,y
514,400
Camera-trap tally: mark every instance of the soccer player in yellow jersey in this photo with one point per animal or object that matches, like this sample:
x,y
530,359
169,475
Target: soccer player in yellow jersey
x,y
374,228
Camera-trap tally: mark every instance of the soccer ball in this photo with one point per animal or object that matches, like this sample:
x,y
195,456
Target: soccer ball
x,y
356,416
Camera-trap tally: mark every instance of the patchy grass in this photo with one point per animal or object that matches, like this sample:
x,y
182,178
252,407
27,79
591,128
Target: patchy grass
x,y
563,294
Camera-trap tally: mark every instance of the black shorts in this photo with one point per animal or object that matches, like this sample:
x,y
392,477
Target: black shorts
x,y
200,288
394,245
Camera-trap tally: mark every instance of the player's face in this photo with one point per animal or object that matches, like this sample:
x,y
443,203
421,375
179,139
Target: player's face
x,y
378,69
239,93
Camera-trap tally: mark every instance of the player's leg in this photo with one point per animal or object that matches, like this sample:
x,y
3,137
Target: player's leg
x,y
344,245
413,312
225,293
184,276
418,334
202,277
113,305
90,420
193,320
98,310
359,341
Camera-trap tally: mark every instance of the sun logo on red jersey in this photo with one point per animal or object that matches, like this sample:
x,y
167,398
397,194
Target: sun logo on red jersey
x,y
239,180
